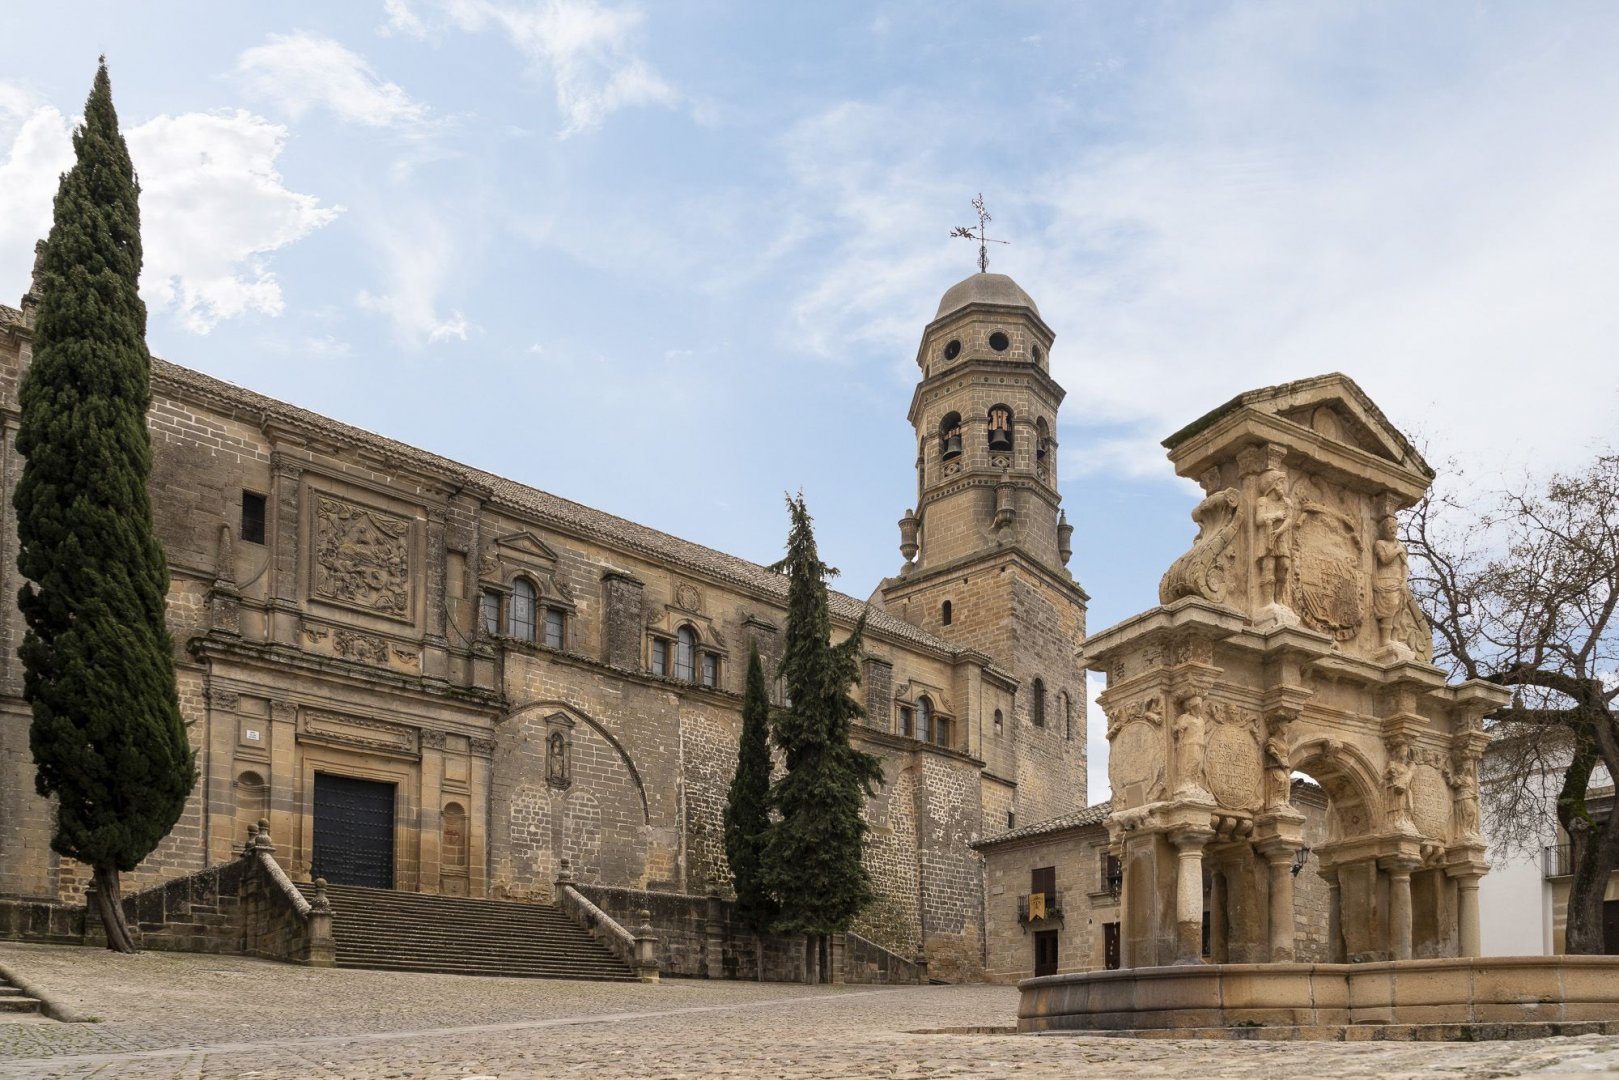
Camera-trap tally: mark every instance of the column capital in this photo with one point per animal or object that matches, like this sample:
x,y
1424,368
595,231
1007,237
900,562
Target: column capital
x,y
1400,865
1190,839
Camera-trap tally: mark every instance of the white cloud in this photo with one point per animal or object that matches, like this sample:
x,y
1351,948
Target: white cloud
x,y
1097,787
418,253
213,208
587,51
1252,207
299,72
402,20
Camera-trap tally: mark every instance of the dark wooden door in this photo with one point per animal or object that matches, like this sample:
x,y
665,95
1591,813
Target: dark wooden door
x,y
1610,927
354,831
1110,946
1045,952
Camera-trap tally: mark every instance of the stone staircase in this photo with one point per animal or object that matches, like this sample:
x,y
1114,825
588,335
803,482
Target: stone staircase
x,y
400,931
14,1000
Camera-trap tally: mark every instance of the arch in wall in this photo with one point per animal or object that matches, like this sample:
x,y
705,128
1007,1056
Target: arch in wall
x,y
607,737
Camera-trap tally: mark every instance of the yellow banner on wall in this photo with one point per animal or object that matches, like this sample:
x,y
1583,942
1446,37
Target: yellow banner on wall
x,y
1037,905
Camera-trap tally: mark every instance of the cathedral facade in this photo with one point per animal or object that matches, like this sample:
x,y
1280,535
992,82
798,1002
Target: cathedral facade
x,y
434,679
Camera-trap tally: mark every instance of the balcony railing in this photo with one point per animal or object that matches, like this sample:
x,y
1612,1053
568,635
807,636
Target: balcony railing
x,y
1557,860
1053,909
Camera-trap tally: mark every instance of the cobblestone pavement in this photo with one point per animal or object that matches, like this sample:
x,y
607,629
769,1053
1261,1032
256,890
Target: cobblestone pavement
x,y
171,1015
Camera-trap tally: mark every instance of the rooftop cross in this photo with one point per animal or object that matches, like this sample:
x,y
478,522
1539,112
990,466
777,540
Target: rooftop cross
x,y
967,232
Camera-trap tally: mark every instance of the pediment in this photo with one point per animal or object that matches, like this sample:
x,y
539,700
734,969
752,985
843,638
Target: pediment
x,y
525,545
1332,406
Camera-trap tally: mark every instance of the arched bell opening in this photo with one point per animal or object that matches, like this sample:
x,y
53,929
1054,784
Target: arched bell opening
x,y
1000,429
950,437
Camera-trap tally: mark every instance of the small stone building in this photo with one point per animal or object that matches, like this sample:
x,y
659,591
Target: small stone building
x,y
432,678
1074,926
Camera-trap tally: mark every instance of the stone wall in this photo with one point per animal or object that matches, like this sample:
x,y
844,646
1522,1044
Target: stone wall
x,y
698,937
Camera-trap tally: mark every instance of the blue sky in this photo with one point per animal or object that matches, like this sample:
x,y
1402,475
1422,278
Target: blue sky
x,y
673,259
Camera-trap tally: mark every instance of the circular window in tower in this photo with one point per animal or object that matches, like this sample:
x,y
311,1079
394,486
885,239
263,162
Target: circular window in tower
x,y
952,350
999,341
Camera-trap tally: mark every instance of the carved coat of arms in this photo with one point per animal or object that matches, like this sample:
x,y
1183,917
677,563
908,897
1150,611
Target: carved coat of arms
x,y
1330,592
362,557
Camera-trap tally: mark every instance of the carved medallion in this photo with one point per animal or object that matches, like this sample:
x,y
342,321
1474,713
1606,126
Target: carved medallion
x,y
1234,769
687,598
1135,757
1430,801
364,647
362,557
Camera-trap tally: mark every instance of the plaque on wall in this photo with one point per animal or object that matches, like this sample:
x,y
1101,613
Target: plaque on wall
x,y
1234,769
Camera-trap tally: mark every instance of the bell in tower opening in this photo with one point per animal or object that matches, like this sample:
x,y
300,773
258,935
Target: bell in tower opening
x,y
1000,429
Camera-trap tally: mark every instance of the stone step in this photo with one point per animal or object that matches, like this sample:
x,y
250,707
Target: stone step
x,y
18,1002
394,931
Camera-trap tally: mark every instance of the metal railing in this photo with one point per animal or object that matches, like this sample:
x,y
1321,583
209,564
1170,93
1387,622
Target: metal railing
x,y
1053,908
1557,860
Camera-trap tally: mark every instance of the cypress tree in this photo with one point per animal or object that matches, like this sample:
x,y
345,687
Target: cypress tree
x,y
107,737
747,811
812,854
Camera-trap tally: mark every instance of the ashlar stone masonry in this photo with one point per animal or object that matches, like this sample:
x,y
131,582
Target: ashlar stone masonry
x,y
449,682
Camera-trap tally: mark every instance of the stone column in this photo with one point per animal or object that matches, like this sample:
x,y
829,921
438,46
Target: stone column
x,y
1467,914
1189,893
287,481
1399,871
435,657
714,938
1220,918
1335,917
430,821
1279,861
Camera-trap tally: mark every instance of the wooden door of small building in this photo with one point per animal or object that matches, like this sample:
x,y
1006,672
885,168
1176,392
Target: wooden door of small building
x,y
1045,952
1110,946
354,831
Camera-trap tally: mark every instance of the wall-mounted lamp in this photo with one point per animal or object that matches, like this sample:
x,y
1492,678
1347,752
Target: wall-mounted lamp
x,y
1300,857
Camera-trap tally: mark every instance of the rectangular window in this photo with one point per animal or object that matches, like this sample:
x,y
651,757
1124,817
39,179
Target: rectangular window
x,y
711,669
252,517
907,721
1043,880
555,623
686,655
660,656
489,604
941,731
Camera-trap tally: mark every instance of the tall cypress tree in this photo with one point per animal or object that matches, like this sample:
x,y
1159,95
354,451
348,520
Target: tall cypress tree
x,y
812,854
107,737
747,811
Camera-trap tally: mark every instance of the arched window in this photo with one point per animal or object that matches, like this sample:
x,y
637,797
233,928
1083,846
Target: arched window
x,y
522,615
1042,439
999,723
1037,706
924,719
1067,714
686,654
950,436
1000,428
944,613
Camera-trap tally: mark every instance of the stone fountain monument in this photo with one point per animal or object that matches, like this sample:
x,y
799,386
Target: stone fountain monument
x,y
1287,639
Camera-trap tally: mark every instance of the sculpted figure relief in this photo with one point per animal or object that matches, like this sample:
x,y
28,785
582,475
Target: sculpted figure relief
x,y
1275,515
1389,589
1190,737
1397,783
1278,771
1206,569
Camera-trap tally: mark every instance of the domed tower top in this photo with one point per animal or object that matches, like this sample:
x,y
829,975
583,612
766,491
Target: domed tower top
x,y
984,288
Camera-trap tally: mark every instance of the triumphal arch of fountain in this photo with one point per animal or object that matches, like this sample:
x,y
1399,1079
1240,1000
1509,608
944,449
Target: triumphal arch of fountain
x,y
1287,639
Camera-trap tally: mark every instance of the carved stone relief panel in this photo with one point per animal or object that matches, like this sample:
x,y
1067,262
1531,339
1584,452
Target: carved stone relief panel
x,y
1235,769
1430,801
359,732
361,558
1136,752
1330,595
1207,569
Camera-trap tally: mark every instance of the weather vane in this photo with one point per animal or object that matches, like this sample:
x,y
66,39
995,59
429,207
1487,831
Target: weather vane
x,y
967,232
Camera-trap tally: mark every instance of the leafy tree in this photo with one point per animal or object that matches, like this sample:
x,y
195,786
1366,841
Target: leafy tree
x,y
812,855
1525,595
107,737
747,811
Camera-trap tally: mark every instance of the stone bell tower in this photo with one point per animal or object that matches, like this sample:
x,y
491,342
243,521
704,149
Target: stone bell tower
x,y
986,546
